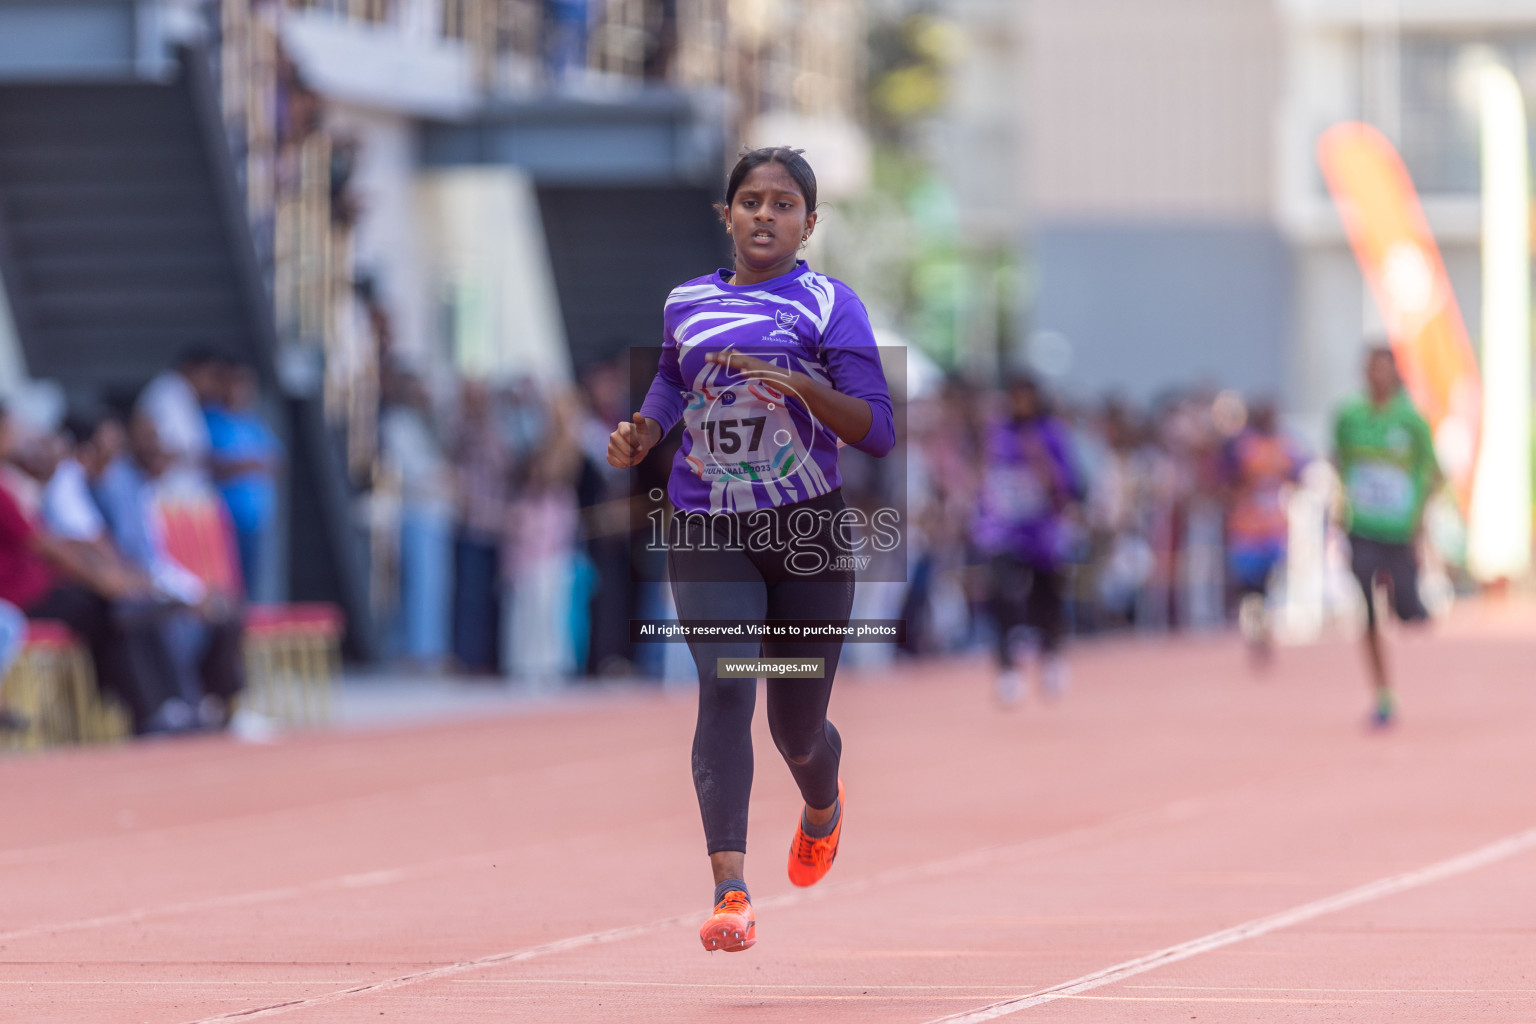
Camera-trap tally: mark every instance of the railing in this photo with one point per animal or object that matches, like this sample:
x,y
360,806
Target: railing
x,y
291,172
361,10
628,38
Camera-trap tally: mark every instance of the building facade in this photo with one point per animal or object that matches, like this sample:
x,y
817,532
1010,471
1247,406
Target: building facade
x,y
1149,175
1178,225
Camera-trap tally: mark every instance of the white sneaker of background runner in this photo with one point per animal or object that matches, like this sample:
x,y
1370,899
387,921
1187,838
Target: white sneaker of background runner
x,y
1253,619
1054,676
1026,655
249,726
1010,687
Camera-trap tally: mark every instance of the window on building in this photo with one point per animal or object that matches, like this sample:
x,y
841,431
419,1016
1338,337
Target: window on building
x,y
1439,115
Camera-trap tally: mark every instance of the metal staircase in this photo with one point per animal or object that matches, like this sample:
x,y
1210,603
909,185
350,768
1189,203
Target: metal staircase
x,y
120,242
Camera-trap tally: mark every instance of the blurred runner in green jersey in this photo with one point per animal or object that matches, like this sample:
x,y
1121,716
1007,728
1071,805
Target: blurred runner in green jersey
x,y
1386,458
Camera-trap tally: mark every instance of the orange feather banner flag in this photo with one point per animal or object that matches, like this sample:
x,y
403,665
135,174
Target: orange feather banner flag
x,y
1401,262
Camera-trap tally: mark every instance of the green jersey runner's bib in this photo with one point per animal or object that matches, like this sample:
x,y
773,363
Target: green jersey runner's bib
x,y
1387,459
1381,490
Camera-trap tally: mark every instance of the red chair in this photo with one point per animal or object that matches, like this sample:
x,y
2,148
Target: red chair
x,y
198,534
292,650
46,634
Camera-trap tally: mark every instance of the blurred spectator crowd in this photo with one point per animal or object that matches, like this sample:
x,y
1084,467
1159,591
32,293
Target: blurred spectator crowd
x,y
509,546
500,532
86,542
1169,497
501,544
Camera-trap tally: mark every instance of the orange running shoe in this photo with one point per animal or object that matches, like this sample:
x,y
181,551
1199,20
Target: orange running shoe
x,y
733,926
810,858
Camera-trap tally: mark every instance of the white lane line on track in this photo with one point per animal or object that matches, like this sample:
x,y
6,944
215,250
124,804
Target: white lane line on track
x,y
1178,811
297,814
1481,857
338,883
1172,813
247,899
1360,991
548,948
734,986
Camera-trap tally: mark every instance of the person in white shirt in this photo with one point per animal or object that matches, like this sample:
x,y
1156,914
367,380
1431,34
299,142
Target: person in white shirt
x,y
67,508
174,402
67,511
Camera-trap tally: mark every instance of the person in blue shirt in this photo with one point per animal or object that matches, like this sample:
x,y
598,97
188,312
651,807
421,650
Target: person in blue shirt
x,y
567,25
202,630
245,455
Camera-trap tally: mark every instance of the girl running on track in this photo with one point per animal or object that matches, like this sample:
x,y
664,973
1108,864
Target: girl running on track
x,y
772,367
1027,485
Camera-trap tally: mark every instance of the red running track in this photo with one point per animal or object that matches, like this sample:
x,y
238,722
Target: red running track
x,y
1175,813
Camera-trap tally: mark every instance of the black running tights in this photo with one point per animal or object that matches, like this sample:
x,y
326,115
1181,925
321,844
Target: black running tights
x,y
753,586
1027,595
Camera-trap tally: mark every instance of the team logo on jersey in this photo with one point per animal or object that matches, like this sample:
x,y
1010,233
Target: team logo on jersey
x,y
786,321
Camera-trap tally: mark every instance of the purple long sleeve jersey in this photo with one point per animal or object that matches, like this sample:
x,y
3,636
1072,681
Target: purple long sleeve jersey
x,y
1019,511
747,445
